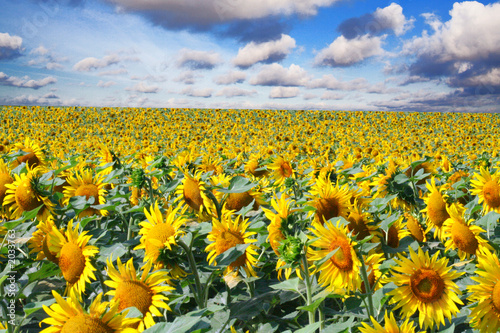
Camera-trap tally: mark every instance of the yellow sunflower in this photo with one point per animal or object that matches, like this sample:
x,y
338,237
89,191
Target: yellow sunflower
x,y
463,236
83,183
255,167
192,193
395,233
361,224
485,315
32,154
69,316
390,326
342,270
159,233
425,284
329,200
283,211
144,291
436,208
227,234
414,227
25,194
73,255
106,157
40,240
282,169
5,178
487,187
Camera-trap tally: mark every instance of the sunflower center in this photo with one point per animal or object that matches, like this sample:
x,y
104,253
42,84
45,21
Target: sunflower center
x,y
393,237
88,191
30,159
326,208
26,197
85,324
358,226
491,193
427,285
45,247
71,262
227,240
192,194
342,259
436,209
495,296
161,232
134,293
463,237
236,201
285,169
4,179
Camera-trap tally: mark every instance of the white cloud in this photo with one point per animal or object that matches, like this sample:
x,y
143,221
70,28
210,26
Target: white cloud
x,y
391,17
105,84
331,95
347,52
144,88
277,75
274,50
198,59
187,77
10,46
189,91
25,82
234,92
284,92
332,83
91,63
231,77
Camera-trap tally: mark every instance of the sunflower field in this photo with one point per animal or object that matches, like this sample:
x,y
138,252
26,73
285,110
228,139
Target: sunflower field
x,y
216,220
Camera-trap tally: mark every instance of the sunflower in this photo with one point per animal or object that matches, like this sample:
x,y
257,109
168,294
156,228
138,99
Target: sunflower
x,y
425,284
282,169
159,234
461,235
107,157
73,255
415,228
385,185
40,240
485,315
227,234
436,208
69,316
26,194
5,178
83,183
192,193
255,167
329,200
144,292
372,263
32,154
361,224
487,187
342,270
390,326
276,236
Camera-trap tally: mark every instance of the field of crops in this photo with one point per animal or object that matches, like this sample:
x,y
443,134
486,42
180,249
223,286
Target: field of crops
x,y
183,220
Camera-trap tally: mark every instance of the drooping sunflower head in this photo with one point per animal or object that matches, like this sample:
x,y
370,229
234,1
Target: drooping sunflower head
x,y
436,208
255,167
282,169
192,193
390,325
329,200
69,316
225,235
236,201
140,289
74,257
487,187
425,284
415,228
84,183
485,315
159,234
40,240
342,270
27,193
32,154
461,235
361,224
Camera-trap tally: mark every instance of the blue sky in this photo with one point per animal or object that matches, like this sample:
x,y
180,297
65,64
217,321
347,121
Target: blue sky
x,y
291,54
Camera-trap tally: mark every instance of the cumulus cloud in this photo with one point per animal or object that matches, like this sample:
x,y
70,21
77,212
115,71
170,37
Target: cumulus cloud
x,y
266,52
390,18
230,78
234,92
277,75
10,46
284,92
105,84
144,88
346,52
205,93
187,77
25,82
465,50
198,59
330,82
91,63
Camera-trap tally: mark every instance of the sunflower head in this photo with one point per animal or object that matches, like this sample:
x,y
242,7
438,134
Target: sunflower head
x,y
282,170
31,153
390,326
487,187
330,201
85,183
40,241
436,207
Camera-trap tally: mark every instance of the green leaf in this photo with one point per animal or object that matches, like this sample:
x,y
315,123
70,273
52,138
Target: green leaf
x,y
48,269
238,184
27,216
290,284
450,329
182,324
312,328
401,178
312,307
33,307
114,251
230,255
339,327
389,221
489,220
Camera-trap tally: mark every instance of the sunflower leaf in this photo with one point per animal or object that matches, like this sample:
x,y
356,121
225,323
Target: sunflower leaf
x,y
238,184
489,220
229,256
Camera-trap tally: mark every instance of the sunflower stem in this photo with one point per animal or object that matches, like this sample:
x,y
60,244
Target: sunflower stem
x,y
364,276
199,297
150,186
101,281
307,279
